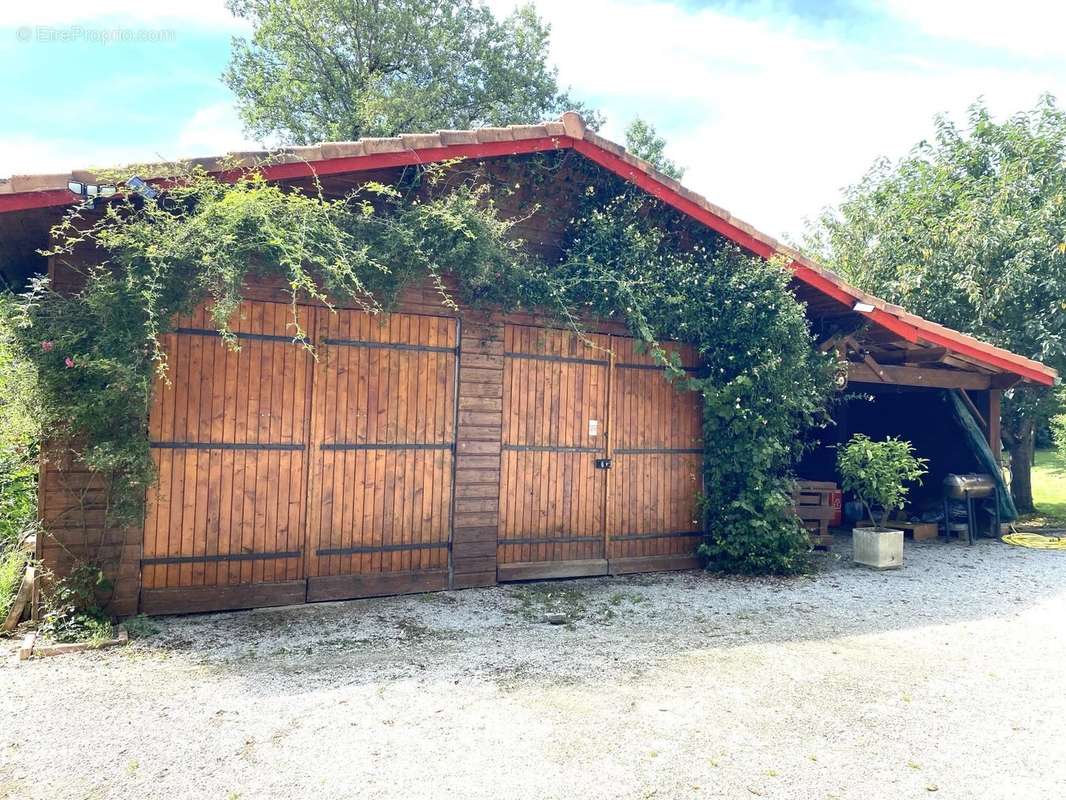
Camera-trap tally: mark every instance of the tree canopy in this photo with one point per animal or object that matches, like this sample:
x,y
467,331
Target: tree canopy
x,y
644,141
321,70
969,229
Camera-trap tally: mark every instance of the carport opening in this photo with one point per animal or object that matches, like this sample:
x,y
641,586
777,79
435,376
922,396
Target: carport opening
x,y
929,419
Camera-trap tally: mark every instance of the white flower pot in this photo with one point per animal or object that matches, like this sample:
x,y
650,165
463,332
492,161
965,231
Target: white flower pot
x,y
880,549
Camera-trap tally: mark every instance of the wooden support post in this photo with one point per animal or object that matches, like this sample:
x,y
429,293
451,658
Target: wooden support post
x,y
994,441
973,410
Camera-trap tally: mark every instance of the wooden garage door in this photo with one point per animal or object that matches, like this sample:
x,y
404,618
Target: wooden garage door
x,y
382,450
228,432
656,456
554,422
600,458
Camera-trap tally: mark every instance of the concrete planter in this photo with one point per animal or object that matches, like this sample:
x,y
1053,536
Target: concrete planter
x,y
879,548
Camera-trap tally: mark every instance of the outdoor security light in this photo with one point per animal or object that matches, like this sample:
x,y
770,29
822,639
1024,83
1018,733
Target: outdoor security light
x,y
865,308
91,190
142,187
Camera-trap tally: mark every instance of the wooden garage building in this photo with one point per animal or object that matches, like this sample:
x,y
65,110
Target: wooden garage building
x,y
426,448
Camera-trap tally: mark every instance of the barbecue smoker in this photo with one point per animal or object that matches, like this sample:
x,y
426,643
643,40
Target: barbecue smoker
x,y
962,495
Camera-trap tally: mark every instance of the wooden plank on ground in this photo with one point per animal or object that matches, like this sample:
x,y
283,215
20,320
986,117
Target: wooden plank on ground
x,y
22,599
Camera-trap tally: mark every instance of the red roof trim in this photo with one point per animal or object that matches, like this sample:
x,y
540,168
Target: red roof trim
x,y
911,330
27,200
21,201
905,330
404,158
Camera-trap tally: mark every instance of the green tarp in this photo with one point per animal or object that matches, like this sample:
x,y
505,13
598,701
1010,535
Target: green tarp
x,y
979,446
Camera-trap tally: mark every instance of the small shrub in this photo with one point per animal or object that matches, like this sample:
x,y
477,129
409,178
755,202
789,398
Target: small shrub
x,y
18,435
877,472
12,565
141,627
72,612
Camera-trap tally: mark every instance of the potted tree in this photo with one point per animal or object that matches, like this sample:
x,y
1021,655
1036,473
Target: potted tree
x,y
878,474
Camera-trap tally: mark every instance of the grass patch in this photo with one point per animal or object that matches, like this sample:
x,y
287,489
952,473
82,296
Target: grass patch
x,y
537,600
141,627
1049,487
12,565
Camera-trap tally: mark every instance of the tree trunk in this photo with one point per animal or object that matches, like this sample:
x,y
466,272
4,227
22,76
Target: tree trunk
x,y
1021,466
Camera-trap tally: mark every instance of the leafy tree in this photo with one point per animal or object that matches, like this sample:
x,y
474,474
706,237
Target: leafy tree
x,y
878,473
317,70
1058,431
644,141
970,230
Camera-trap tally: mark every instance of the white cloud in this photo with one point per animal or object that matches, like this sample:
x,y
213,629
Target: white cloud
x,y
1028,27
771,119
26,155
212,130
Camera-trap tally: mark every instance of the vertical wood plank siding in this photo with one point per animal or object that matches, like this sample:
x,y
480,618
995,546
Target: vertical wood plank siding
x,y
477,457
553,496
228,430
570,402
417,450
382,443
657,464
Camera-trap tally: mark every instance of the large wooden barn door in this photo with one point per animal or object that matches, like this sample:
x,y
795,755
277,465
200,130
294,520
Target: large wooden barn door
x,y
600,458
382,451
225,523
554,423
656,456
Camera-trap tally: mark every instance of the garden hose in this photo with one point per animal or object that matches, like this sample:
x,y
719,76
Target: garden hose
x,y
1037,541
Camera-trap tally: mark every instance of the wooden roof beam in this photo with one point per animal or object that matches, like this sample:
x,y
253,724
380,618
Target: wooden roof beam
x,y
917,376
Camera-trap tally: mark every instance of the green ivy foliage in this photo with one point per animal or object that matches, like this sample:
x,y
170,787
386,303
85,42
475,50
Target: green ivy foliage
x,y
628,257
763,383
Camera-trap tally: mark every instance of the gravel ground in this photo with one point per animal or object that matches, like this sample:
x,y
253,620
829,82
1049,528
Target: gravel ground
x,y
943,677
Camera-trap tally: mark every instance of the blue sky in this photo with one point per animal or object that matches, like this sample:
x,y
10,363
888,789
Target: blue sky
x,y
773,105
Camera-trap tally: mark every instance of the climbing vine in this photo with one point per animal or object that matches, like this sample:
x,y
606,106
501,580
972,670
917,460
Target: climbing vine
x,y
763,383
141,263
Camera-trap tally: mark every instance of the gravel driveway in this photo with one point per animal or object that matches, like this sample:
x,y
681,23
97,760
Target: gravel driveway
x,y
944,677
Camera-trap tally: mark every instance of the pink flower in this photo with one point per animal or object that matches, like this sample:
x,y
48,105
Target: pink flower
x,y
47,346
69,362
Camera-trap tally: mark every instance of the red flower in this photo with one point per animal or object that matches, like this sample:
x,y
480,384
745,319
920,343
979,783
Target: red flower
x,y
69,362
47,346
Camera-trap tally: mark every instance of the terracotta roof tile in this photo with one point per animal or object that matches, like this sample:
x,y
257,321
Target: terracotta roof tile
x,y
393,144
574,125
495,135
342,149
458,137
35,183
